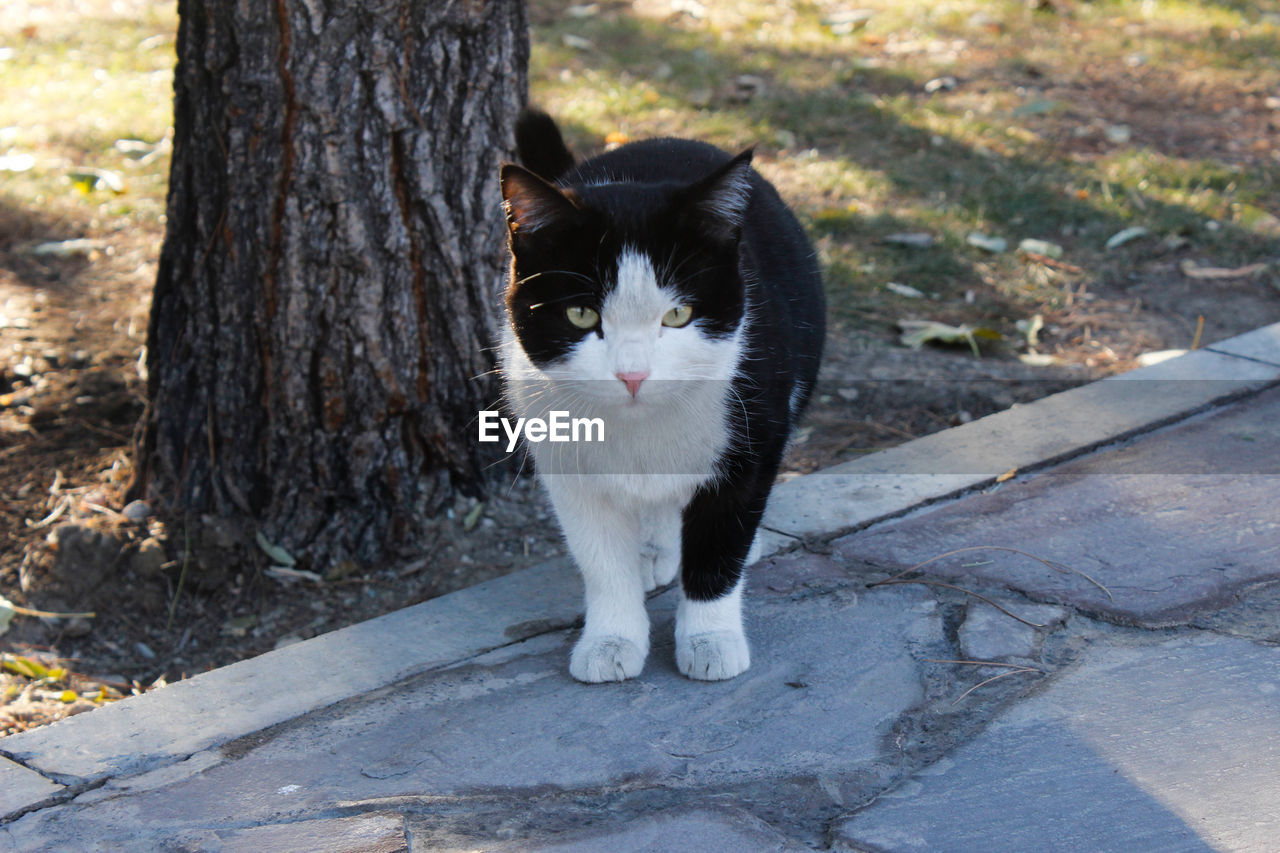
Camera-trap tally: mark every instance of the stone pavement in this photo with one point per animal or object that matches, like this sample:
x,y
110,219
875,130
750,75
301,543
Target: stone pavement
x,y
1135,706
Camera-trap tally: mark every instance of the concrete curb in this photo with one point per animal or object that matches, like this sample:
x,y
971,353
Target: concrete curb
x,y
158,729
886,484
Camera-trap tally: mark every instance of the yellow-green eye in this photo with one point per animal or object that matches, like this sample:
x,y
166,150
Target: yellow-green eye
x,y
678,316
582,316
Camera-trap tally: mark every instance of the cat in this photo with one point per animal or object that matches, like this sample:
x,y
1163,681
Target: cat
x,y
665,288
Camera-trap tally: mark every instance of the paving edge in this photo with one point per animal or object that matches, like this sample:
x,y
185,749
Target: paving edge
x,y
165,726
891,482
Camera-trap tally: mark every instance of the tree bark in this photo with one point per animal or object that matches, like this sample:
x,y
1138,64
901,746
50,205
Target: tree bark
x,y
329,284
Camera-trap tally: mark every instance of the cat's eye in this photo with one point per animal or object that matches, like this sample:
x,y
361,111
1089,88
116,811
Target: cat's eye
x,y
678,316
582,316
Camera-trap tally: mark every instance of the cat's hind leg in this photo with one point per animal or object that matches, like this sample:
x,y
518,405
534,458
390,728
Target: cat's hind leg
x,y
660,554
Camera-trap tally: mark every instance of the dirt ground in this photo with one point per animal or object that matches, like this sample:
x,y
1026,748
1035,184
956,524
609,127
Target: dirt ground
x,y
72,336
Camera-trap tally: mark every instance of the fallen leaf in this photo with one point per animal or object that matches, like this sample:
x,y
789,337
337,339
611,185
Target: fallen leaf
x,y
1039,359
576,42
1147,359
904,290
1191,270
284,573
845,22
1031,328
472,518
16,162
914,239
1007,475
1041,247
87,178
275,552
238,626
995,245
917,333
67,248
1037,107
25,667
1126,236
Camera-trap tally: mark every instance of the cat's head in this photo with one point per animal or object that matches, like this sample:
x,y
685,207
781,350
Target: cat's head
x,y
635,286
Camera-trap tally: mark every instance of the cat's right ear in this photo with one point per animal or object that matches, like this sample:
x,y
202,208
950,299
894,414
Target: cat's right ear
x,y
531,203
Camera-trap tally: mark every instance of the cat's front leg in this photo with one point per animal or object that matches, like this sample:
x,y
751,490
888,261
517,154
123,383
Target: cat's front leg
x,y
711,644
718,534
605,542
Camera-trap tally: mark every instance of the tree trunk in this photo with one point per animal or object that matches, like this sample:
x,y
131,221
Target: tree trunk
x,y
329,283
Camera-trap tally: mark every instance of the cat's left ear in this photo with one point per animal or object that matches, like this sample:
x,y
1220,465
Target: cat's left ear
x,y
717,205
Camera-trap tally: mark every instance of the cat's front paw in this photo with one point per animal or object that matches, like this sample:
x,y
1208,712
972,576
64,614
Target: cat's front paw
x,y
713,656
606,658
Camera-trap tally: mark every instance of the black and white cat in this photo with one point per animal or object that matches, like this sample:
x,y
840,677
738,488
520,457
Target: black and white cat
x,y
664,288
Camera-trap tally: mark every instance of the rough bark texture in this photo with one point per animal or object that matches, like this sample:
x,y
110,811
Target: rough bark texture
x,y
328,286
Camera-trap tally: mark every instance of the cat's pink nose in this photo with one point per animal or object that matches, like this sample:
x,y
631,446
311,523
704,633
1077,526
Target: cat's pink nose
x,y
633,379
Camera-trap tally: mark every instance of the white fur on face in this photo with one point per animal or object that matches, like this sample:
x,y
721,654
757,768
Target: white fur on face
x,y
635,340
675,428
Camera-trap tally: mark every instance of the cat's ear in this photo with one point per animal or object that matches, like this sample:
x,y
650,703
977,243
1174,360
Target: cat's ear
x,y
717,205
531,203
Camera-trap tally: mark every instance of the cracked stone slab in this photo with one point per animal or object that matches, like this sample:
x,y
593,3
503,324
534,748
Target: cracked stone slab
x,y
21,788
830,676
1171,525
212,708
893,481
988,634
362,834
1168,747
704,830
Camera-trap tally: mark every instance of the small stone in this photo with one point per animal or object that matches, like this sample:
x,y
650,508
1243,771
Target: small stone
x,y
136,511
1118,134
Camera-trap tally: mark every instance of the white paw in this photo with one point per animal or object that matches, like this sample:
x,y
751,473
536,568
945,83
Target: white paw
x,y
606,658
713,656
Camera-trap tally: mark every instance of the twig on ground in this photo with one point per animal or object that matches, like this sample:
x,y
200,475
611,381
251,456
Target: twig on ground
x,y
1057,567
996,678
